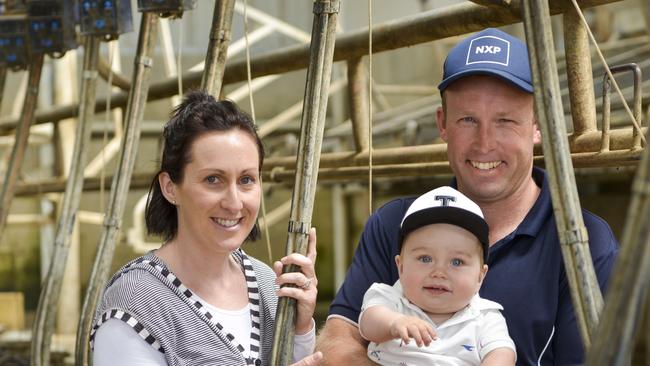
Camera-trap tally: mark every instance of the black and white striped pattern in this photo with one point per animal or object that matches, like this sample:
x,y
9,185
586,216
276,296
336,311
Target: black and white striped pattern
x,y
124,292
254,300
132,322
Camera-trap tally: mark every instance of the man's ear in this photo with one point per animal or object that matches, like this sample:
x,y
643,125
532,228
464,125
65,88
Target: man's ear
x,y
441,122
537,134
167,187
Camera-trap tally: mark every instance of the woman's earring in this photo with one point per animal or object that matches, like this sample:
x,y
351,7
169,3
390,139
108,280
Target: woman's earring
x,y
174,202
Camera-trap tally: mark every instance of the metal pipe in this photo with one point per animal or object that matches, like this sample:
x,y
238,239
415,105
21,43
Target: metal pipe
x,y
339,235
358,103
360,173
215,59
19,101
44,323
645,8
117,79
637,96
585,293
120,186
615,52
278,25
638,107
585,154
3,78
405,168
399,89
628,287
393,155
404,32
103,157
579,73
311,138
292,112
171,64
22,134
389,116
604,145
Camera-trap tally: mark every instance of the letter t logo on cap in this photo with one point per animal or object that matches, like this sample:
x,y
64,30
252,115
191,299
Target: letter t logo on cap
x,y
445,199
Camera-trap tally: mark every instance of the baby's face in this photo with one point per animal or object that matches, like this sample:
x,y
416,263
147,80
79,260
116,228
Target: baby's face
x,y
440,269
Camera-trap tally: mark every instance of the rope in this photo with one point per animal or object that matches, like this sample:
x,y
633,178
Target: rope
x,y
248,61
252,105
107,119
369,107
609,72
179,68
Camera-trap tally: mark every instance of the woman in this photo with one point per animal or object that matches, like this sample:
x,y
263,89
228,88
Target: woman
x,y
199,300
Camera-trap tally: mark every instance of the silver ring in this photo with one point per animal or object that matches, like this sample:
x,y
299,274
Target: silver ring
x,y
306,285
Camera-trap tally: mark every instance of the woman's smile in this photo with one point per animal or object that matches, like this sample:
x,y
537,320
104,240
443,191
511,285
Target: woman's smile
x,y
227,223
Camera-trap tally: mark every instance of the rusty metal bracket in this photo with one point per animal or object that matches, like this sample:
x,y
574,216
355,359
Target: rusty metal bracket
x,y
112,222
223,35
299,227
327,7
89,75
638,108
144,60
577,236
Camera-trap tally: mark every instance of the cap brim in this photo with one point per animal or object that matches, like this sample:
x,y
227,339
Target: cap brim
x,y
521,84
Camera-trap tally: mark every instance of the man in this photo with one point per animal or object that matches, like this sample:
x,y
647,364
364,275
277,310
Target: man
x,y
488,121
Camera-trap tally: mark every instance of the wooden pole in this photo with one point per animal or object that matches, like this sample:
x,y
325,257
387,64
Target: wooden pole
x,y
311,138
215,59
585,293
51,290
121,181
628,288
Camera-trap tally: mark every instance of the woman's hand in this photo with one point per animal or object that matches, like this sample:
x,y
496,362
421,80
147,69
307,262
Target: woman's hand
x,y
305,282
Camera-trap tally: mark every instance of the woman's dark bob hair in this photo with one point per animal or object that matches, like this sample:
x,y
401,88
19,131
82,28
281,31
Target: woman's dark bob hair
x,y
199,113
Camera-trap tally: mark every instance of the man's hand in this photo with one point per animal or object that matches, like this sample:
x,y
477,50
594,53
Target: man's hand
x,y
342,344
311,360
407,327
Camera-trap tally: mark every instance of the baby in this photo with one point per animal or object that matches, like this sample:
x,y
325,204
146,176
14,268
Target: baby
x,y
442,263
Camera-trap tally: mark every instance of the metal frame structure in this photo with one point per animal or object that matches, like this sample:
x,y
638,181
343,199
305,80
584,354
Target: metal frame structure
x,y
587,146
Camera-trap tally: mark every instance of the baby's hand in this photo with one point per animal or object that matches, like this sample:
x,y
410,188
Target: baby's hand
x,y
407,327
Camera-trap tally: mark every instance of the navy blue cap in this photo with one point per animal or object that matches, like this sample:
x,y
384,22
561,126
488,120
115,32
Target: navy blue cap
x,y
490,52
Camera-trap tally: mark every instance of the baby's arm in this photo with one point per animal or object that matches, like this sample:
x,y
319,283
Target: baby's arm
x,y
499,357
379,324
497,348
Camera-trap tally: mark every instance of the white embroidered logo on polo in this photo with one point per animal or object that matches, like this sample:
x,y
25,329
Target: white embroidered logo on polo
x,y
488,49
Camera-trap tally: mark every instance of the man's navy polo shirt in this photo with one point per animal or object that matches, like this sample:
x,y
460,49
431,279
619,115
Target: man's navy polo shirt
x,y
526,276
